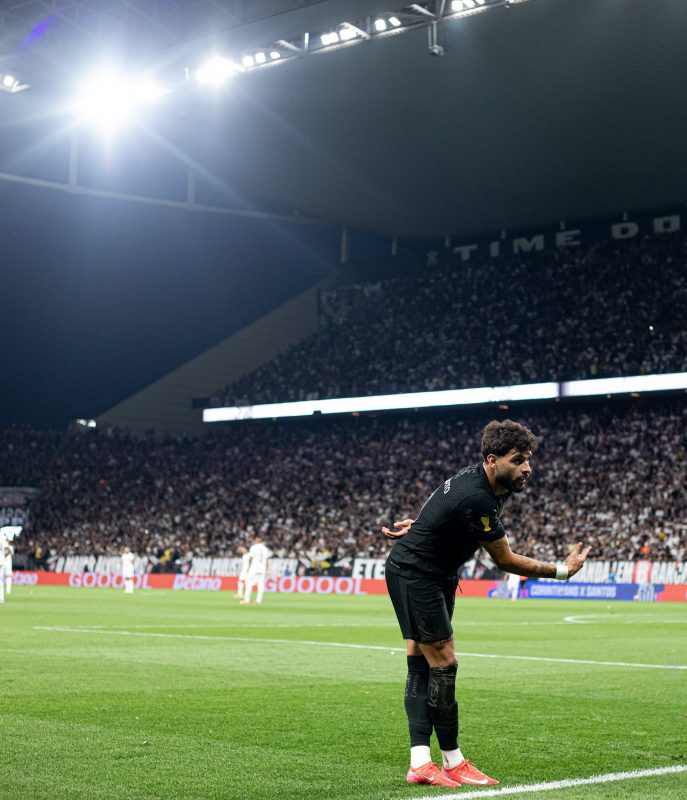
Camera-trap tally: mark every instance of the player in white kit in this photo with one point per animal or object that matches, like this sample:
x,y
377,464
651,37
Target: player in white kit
x,y
3,542
7,553
245,561
259,556
128,570
513,586
7,534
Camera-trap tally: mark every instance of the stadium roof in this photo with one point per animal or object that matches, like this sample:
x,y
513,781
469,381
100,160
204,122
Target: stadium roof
x,y
552,109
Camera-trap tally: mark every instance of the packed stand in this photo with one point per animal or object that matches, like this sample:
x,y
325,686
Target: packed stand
x,y
610,475
601,311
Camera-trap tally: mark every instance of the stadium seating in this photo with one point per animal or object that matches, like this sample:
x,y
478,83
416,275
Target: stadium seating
x,y
610,473
605,310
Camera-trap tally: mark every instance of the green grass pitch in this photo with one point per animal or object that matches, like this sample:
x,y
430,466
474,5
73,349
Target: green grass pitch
x,y
231,702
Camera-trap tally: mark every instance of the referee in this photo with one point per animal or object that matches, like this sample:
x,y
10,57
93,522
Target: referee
x,y
461,515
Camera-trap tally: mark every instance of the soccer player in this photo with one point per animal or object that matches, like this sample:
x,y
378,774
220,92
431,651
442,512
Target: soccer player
x,y
513,583
128,570
7,553
2,568
462,515
245,561
259,556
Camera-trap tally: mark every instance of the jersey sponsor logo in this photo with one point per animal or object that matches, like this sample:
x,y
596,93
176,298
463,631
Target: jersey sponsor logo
x,y
486,525
447,486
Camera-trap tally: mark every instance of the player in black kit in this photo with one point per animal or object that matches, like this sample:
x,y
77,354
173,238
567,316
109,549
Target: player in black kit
x,y
461,515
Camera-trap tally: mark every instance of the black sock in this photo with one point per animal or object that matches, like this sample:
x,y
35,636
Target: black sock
x,y
442,705
419,721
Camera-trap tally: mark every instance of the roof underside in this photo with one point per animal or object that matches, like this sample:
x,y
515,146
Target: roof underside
x,y
554,109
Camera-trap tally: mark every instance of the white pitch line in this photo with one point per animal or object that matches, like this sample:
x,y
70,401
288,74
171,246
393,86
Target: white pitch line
x,y
251,625
593,619
356,625
567,783
577,661
309,643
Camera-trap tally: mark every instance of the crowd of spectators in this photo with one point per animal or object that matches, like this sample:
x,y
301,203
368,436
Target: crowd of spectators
x,y
604,310
609,473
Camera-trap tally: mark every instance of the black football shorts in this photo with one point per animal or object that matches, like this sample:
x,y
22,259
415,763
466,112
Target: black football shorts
x,y
423,604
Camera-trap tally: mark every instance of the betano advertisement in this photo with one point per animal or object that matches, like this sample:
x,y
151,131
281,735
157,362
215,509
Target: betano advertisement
x,y
311,584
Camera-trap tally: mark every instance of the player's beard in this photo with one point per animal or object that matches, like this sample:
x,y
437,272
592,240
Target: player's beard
x,y
511,484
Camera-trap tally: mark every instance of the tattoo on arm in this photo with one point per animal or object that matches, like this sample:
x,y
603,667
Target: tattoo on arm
x,y
519,565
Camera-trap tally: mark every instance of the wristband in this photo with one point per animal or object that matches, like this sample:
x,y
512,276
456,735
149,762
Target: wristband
x,y
561,572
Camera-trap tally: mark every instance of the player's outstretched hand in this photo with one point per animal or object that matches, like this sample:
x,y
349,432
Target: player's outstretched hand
x,y
403,528
575,561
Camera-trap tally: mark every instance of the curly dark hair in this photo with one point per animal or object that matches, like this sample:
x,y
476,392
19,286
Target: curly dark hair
x,y
501,436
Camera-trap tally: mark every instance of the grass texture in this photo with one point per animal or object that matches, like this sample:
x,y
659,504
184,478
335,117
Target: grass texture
x,y
189,696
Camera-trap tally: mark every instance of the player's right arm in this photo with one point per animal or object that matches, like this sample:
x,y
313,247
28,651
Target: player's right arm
x,y
509,561
403,528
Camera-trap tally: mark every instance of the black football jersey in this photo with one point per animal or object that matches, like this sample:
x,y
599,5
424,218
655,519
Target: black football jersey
x,y
459,514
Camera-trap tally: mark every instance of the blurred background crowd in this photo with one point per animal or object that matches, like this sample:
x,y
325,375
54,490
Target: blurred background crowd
x,y
611,474
606,310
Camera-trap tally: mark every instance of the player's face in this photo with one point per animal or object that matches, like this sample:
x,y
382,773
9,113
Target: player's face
x,y
513,470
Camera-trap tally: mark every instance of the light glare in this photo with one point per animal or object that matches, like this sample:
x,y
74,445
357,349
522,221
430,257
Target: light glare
x,y
8,81
151,91
215,71
106,100
248,61
275,55
260,58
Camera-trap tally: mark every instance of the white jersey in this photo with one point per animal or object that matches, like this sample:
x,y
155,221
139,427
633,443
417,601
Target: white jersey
x,y
259,555
513,581
7,558
245,561
128,565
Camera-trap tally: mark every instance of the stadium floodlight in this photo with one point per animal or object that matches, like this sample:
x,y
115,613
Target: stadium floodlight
x,y
457,5
215,71
469,3
380,25
347,33
108,98
10,83
395,22
260,58
275,55
105,99
248,61
329,38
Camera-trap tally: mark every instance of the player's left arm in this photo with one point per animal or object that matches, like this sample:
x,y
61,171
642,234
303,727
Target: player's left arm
x,y
507,560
